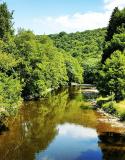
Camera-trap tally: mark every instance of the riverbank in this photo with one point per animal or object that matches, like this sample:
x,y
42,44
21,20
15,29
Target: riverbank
x,y
12,110
112,119
110,106
107,105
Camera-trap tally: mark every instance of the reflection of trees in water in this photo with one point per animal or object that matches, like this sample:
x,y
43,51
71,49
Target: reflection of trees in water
x,y
90,96
3,128
111,138
35,127
73,92
25,138
112,145
32,131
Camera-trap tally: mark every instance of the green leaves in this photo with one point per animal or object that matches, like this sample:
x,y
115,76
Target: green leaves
x,y
10,95
74,70
42,67
7,62
86,47
5,21
115,37
112,76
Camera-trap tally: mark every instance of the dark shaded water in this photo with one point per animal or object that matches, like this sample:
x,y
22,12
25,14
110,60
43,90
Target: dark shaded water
x,y
58,128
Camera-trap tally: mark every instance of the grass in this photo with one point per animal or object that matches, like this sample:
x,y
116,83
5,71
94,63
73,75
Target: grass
x,y
109,107
101,100
112,107
120,109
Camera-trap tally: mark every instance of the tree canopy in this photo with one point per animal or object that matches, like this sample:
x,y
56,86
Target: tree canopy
x,y
86,47
111,77
6,24
115,36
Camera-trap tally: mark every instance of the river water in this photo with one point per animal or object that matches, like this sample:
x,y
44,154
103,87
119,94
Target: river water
x,y
60,128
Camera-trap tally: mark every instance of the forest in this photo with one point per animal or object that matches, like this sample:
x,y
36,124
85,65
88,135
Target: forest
x,y
31,65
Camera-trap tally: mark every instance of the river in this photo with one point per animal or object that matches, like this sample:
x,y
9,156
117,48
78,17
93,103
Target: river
x,y
59,127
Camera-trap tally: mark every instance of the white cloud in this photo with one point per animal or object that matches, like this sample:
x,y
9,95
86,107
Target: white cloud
x,y
76,131
73,23
111,4
76,21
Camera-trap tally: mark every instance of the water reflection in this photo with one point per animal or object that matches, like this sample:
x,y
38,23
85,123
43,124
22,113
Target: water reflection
x,y
112,145
76,131
3,128
56,128
73,142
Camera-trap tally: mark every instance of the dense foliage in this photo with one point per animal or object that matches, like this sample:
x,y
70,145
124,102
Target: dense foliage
x,y
41,67
30,65
111,78
6,23
86,47
10,86
115,36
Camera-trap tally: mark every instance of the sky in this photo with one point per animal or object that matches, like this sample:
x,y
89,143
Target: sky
x,y
54,16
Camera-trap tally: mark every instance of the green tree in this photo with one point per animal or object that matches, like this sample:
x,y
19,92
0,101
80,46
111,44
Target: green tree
x,y
10,95
116,26
111,29
74,70
10,86
42,67
116,43
86,47
112,76
6,24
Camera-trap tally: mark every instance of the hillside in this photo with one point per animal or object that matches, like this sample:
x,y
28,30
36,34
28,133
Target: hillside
x,y
86,46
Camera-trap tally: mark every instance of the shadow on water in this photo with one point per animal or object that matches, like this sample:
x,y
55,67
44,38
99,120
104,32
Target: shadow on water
x,y
56,128
112,145
3,128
